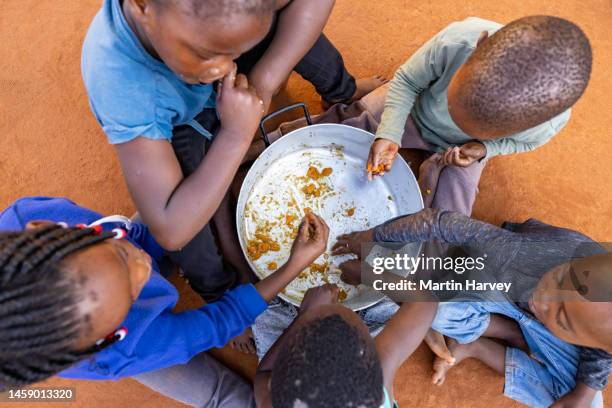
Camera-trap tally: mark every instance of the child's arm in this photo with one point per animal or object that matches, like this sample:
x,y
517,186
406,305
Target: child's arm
x,y
401,336
409,81
433,225
176,338
526,142
176,208
580,397
299,26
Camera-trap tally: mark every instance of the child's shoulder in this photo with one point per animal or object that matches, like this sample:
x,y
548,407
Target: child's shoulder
x,y
466,32
110,49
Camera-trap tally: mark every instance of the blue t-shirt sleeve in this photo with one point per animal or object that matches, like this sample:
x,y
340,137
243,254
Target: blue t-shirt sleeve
x,y
125,104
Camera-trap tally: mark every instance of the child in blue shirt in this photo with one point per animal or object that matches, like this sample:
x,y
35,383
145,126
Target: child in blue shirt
x,y
84,303
149,68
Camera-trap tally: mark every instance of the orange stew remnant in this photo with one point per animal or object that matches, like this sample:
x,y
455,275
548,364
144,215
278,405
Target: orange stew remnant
x,y
342,295
319,268
314,173
261,245
272,266
312,190
289,218
350,212
380,169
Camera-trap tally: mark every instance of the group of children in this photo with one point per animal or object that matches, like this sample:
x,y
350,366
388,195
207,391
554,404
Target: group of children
x,y
179,88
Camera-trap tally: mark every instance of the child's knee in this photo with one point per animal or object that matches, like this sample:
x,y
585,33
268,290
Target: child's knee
x,y
462,321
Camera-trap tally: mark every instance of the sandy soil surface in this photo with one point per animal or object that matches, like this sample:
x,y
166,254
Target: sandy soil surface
x,y
51,145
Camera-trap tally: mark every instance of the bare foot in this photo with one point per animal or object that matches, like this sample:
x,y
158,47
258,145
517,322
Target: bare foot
x,y
367,85
244,342
363,87
459,351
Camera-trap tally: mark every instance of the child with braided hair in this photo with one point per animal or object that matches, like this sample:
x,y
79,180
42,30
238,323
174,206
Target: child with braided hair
x,y
66,288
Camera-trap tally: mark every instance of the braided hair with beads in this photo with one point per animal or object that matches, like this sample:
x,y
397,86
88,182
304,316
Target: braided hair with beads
x,y
39,319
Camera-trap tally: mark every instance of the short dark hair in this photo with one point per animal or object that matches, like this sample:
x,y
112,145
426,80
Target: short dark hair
x,y
528,72
39,319
222,8
328,364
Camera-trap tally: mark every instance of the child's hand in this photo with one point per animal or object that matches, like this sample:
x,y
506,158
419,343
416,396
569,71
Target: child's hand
x,y
465,155
351,243
239,106
322,295
381,158
351,272
310,242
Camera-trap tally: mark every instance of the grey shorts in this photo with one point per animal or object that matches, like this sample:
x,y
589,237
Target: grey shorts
x,y
273,322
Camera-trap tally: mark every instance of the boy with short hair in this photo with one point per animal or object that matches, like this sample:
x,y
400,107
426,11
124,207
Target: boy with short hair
x,y
149,65
327,357
477,90
558,306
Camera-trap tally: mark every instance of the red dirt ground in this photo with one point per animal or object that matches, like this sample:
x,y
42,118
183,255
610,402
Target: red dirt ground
x,y
51,145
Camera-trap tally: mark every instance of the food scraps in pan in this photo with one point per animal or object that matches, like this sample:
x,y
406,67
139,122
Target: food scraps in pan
x,y
314,173
261,245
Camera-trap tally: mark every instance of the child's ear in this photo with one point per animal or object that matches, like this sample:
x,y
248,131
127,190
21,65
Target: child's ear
x,y
140,5
37,224
483,36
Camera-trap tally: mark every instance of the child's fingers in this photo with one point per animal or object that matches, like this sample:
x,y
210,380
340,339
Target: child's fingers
x,y
229,79
303,233
341,248
242,82
321,230
447,156
369,164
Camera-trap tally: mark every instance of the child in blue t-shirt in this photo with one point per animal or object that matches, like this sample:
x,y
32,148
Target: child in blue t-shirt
x,y
82,297
149,66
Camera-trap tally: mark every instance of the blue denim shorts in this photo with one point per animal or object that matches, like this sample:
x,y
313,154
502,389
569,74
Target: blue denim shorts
x,y
537,380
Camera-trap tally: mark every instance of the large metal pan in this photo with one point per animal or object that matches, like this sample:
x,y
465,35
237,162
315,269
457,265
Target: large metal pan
x,y
276,194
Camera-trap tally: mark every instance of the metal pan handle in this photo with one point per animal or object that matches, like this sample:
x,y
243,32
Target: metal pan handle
x,y
262,128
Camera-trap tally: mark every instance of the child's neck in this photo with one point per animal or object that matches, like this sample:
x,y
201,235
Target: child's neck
x,y
137,30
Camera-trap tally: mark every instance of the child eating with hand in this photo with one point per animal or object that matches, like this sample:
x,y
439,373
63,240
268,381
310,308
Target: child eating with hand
x,y
477,90
82,297
554,323
149,68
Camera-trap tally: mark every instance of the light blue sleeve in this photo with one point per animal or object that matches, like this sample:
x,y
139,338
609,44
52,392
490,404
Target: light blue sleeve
x,y
428,64
127,109
409,81
528,140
